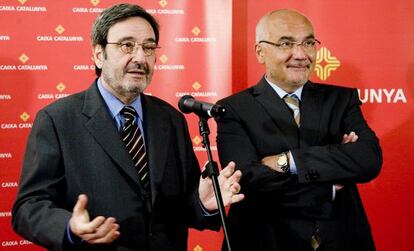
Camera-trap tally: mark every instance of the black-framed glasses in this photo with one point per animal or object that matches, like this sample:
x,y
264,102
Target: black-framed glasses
x,y
130,47
308,44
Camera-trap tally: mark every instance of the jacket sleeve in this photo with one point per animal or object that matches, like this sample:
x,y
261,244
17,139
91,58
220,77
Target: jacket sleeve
x,y
37,212
343,163
267,187
234,144
196,216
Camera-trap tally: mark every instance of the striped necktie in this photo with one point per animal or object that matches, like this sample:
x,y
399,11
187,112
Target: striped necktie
x,y
293,103
134,142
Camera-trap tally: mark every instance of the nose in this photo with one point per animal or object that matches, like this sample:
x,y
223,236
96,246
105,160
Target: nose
x,y
138,54
298,52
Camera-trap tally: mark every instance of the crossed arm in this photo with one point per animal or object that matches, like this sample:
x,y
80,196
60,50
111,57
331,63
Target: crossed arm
x,y
270,161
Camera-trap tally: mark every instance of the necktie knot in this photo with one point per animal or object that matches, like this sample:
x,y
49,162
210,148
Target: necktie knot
x,y
129,113
292,101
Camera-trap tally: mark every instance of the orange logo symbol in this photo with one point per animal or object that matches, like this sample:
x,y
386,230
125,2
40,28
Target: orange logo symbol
x,y
163,3
60,87
197,140
24,116
22,1
23,58
198,248
164,58
95,2
60,29
196,31
325,63
196,85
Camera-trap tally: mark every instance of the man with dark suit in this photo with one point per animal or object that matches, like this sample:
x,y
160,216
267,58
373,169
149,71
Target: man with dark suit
x,y
121,160
301,146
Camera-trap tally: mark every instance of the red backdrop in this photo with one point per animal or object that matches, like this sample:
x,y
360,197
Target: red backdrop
x,y
208,52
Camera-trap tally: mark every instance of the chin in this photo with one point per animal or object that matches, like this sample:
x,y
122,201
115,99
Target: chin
x,y
136,86
299,80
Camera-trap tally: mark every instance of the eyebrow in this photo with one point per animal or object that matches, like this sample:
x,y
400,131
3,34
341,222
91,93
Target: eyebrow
x,y
152,40
293,39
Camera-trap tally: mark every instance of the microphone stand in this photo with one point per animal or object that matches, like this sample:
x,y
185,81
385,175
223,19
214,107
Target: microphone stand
x,y
213,172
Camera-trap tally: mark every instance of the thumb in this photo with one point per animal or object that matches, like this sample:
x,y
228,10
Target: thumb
x,y
80,205
229,169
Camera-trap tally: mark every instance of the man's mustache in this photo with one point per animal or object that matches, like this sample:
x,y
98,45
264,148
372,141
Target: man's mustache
x,y
138,67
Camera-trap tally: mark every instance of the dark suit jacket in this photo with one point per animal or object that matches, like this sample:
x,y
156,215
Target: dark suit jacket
x,y
74,148
280,211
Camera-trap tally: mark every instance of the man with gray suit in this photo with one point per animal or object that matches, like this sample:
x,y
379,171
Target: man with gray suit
x,y
110,168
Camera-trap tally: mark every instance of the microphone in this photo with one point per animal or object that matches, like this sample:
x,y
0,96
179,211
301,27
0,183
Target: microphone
x,y
188,104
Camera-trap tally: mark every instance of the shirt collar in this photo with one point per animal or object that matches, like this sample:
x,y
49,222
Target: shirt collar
x,y
115,105
282,92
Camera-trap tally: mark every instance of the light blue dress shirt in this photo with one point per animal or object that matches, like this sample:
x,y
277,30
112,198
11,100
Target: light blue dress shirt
x,y
115,106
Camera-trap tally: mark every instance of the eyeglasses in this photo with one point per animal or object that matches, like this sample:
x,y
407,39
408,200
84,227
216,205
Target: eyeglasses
x,y
308,44
130,47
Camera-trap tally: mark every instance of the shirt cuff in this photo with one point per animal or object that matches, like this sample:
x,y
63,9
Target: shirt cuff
x,y
71,237
206,212
292,164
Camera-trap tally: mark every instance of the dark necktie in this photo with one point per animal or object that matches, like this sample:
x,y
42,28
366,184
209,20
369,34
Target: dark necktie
x,y
134,141
293,103
316,238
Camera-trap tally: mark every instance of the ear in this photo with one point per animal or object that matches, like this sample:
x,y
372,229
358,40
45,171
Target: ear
x,y
260,53
98,55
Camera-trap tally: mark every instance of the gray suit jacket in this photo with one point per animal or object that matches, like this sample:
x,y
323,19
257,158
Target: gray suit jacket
x,y
280,211
74,148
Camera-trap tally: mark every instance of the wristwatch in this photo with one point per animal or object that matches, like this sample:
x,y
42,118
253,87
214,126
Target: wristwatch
x,y
282,162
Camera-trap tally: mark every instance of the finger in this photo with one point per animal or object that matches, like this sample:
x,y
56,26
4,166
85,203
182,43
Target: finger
x,y
235,177
338,187
96,223
235,188
228,170
109,237
89,228
100,232
80,205
237,198
355,138
345,139
226,173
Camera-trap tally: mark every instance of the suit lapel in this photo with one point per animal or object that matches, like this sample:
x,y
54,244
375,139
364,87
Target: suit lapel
x,y
157,133
103,129
311,110
278,111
